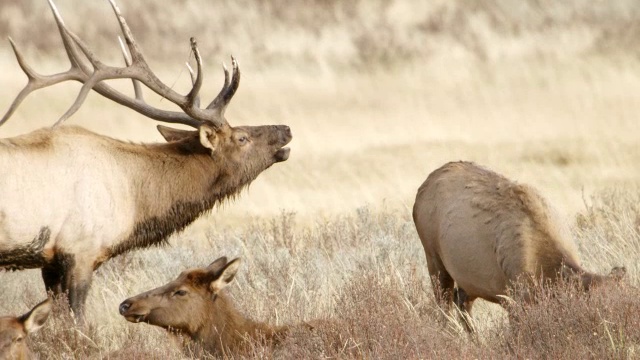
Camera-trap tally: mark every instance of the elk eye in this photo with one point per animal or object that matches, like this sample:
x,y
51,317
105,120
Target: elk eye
x,y
19,339
180,293
243,139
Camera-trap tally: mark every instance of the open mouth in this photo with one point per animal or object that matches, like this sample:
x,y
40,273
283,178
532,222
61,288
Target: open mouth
x,y
282,154
135,318
284,138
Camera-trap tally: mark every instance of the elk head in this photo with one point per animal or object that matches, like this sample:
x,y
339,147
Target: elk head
x,y
187,303
587,280
240,153
14,331
250,149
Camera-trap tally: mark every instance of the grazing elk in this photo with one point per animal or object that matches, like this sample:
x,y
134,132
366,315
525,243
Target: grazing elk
x,y
14,330
484,232
194,305
71,199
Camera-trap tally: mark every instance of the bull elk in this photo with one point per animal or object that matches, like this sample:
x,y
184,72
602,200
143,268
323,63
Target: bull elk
x,y
14,331
483,232
72,199
195,305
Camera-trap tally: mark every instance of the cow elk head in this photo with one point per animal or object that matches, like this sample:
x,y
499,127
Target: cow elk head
x,y
14,331
194,305
183,303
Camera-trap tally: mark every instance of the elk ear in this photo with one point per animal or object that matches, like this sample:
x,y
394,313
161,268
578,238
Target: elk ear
x,y
171,134
225,275
34,319
217,265
208,137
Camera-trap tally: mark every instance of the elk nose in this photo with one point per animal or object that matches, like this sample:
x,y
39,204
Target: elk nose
x,y
124,307
285,132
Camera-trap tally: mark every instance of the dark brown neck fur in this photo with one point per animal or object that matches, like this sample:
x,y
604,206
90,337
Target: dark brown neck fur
x,y
175,183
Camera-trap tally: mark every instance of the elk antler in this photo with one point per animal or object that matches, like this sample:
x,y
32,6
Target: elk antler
x,y
90,71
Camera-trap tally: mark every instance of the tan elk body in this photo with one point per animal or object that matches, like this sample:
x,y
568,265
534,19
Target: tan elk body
x,y
483,232
194,305
70,199
14,331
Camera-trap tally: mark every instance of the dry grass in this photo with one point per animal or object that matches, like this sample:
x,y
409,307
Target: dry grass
x,y
378,94
567,323
365,274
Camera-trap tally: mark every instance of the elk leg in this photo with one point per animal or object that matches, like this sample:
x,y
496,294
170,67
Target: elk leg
x,y
78,292
52,277
464,303
441,281
76,280
462,300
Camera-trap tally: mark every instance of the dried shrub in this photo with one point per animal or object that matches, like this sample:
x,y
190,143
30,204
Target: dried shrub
x,y
358,285
608,231
566,322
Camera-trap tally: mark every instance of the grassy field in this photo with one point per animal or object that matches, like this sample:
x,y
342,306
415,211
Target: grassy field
x,y
378,94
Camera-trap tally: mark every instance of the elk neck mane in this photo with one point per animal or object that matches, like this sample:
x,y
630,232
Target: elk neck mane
x,y
175,183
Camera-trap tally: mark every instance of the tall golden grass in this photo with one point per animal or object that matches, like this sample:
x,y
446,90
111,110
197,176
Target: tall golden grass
x,y
378,94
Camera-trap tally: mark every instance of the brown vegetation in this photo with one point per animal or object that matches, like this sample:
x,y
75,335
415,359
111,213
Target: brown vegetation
x,y
365,270
568,323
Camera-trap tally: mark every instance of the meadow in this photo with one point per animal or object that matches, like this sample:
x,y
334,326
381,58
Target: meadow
x,y
378,94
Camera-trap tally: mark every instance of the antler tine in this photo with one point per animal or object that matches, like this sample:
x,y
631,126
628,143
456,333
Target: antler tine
x,y
136,53
193,96
215,102
26,90
23,64
127,60
35,81
191,105
229,89
191,72
69,46
193,81
235,81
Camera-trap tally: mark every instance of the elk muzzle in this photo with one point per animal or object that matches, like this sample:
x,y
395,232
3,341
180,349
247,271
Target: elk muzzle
x,y
284,137
130,313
